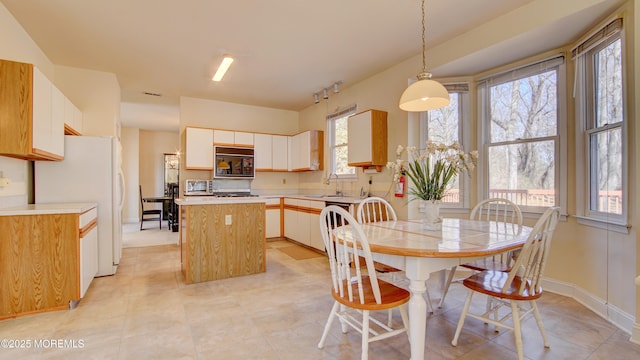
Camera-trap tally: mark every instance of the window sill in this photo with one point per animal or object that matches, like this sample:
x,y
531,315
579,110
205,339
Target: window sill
x,y
603,224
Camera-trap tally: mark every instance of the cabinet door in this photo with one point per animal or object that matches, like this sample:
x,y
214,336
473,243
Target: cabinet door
x,y
280,153
273,223
42,126
223,137
57,120
315,237
88,259
243,138
359,143
72,118
263,150
199,149
367,144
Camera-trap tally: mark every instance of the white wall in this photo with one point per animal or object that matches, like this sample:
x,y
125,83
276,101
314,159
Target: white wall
x,y
130,139
96,94
223,115
16,45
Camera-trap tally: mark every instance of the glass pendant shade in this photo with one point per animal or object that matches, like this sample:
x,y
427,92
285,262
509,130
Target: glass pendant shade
x,y
424,94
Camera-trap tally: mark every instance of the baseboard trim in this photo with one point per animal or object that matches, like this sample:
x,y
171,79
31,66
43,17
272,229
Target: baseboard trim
x,y
624,321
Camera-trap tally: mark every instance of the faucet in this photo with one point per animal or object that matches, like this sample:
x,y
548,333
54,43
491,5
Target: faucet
x,y
338,193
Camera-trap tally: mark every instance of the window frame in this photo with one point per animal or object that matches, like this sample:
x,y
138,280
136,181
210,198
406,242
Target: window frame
x,y
524,70
331,138
464,138
586,127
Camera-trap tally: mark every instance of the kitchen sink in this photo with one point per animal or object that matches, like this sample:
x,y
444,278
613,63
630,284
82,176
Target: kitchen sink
x,y
325,196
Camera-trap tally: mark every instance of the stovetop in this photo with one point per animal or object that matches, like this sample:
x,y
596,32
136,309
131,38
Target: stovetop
x,y
233,194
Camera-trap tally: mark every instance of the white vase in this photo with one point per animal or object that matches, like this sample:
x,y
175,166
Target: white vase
x,y
432,219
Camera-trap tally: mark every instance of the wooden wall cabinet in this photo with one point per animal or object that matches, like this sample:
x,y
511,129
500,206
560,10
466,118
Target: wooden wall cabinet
x,y
32,116
199,148
47,261
367,143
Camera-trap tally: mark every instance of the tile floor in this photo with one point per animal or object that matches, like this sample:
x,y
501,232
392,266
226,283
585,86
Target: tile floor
x,y
146,311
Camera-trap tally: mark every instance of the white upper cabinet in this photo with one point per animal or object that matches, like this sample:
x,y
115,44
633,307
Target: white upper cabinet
x,y
263,152
306,151
72,119
223,137
199,149
32,124
243,138
279,152
227,137
367,143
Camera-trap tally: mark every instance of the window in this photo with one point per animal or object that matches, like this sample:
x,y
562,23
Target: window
x,y
600,115
521,128
337,141
445,125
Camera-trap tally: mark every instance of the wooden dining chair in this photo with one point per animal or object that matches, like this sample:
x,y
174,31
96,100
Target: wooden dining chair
x,y
523,284
357,292
152,212
506,215
375,209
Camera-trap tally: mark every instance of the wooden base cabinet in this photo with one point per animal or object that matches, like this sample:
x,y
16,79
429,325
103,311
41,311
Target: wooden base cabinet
x,y
47,261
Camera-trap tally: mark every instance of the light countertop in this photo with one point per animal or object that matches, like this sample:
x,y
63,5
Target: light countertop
x,y
203,200
208,200
50,208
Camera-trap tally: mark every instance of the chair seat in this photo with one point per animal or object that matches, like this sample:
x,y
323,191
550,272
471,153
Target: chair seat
x,y
490,282
487,264
151,212
392,296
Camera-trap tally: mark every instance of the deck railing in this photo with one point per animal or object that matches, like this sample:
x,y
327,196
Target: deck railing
x,y
609,201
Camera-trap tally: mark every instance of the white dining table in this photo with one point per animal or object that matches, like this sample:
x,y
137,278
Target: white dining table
x,y
408,246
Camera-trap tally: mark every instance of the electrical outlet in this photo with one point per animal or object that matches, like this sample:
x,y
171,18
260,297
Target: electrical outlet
x,y
5,182
227,219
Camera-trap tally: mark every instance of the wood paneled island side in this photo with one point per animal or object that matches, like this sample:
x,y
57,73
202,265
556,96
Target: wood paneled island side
x,y
221,238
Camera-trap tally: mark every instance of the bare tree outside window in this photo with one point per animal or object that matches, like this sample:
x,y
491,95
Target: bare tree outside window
x,y
523,139
443,127
605,135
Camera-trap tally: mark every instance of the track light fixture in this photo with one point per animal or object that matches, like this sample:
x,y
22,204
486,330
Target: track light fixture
x,y
335,87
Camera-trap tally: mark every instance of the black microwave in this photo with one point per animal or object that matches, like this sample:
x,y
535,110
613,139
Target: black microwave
x,y
233,162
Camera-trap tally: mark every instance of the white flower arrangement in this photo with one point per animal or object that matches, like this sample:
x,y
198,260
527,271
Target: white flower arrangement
x,y
433,169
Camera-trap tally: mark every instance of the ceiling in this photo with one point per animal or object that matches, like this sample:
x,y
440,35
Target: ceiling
x,y
285,50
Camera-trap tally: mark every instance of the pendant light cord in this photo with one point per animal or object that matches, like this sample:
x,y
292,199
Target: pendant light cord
x,y
424,42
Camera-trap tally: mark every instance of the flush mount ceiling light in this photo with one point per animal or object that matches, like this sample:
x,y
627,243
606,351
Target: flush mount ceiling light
x,y
222,69
424,94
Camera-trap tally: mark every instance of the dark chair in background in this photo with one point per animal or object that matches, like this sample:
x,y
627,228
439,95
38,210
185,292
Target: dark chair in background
x,y
172,214
153,212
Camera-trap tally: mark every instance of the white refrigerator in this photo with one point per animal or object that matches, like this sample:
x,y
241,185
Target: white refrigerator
x,y
90,172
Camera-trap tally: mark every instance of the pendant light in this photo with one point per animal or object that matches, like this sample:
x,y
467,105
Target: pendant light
x,y
424,94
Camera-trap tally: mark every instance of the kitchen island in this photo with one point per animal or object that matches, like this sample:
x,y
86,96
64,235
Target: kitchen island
x,y
221,237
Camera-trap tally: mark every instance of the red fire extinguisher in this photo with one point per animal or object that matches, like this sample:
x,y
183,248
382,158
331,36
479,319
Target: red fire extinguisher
x,y
400,185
